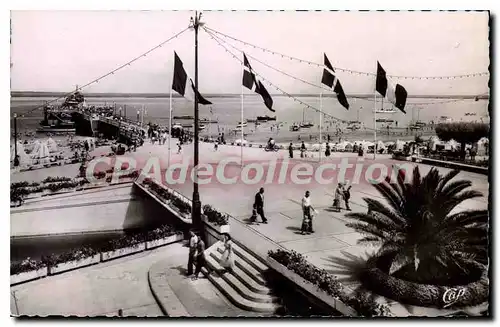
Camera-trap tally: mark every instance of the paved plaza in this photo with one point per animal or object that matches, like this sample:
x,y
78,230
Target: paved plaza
x,y
333,246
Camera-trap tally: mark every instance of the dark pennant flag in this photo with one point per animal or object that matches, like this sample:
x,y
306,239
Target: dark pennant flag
x,y
250,82
330,80
395,93
180,81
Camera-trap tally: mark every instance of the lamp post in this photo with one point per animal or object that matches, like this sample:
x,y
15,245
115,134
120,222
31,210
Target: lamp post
x,y
196,208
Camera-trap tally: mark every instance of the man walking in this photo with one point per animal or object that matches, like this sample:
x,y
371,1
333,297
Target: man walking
x,y
307,224
259,206
193,242
290,150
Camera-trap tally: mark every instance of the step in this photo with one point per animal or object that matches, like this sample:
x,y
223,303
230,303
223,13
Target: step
x,y
245,267
236,298
244,278
240,287
248,257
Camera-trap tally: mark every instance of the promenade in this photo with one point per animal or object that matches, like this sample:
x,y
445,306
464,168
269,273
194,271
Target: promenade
x,y
332,247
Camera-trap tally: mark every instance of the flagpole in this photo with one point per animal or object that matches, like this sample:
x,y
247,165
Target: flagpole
x,y
375,126
241,124
320,122
210,124
169,127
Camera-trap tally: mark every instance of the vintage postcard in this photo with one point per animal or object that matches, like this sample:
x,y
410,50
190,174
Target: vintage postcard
x,y
250,164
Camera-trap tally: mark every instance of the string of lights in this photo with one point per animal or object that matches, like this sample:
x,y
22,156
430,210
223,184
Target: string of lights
x,y
351,71
369,99
109,73
306,105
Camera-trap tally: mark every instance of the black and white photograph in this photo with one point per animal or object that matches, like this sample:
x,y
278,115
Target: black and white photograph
x,y
251,164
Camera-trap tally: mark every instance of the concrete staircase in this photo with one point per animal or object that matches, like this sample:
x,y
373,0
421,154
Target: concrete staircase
x,y
245,287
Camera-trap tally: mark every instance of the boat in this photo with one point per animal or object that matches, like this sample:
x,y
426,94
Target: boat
x,y
385,111
183,117
295,128
60,120
208,121
383,120
354,125
252,120
306,124
266,118
470,114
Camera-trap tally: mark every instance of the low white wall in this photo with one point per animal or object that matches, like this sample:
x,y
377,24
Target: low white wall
x,y
105,209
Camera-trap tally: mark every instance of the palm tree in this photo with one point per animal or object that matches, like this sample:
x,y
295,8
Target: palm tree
x,y
420,239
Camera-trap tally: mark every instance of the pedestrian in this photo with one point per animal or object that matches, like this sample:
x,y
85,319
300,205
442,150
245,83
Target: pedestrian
x,y
307,221
216,145
347,196
179,148
290,150
327,151
259,207
302,149
227,259
338,197
200,258
193,241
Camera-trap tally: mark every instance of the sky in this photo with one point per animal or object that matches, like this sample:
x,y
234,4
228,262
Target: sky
x,y
56,50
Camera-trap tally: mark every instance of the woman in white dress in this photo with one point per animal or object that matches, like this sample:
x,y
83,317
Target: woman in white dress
x,y
227,259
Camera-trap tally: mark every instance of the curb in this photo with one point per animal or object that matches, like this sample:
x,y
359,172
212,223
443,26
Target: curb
x,y
169,304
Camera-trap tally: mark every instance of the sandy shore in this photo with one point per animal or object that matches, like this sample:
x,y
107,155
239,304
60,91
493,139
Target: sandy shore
x,y
262,135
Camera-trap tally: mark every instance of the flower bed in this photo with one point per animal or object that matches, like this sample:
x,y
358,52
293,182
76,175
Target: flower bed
x,y
164,241
327,283
215,217
70,265
121,252
312,288
170,198
26,270
127,244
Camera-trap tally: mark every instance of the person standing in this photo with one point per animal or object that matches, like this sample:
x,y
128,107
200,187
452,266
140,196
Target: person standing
x,y
327,151
227,259
302,149
290,150
259,206
179,148
347,196
193,242
338,197
200,258
307,223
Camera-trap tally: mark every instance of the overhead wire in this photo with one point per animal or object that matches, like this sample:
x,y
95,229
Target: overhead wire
x,y
109,73
477,74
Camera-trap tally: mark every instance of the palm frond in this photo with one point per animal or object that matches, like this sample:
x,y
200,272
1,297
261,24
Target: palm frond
x,y
446,178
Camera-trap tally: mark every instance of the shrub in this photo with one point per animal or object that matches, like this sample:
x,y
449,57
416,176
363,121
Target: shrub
x,y
55,179
328,283
26,265
214,216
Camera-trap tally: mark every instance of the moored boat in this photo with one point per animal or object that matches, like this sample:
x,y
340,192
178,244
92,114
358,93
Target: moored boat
x,y
266,118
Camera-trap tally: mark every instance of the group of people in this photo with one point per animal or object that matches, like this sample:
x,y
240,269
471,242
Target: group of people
x,y
197,255
342,193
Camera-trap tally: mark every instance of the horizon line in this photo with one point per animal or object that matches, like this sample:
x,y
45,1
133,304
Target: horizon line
x,y
18,94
